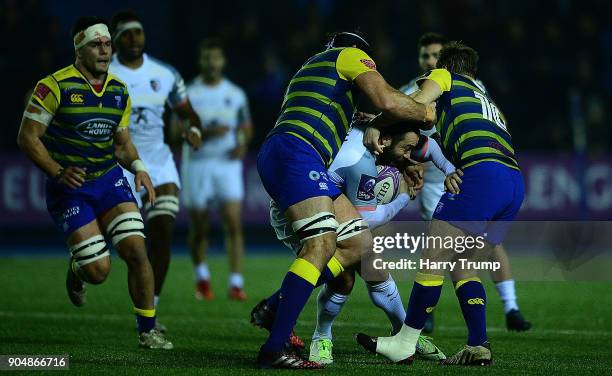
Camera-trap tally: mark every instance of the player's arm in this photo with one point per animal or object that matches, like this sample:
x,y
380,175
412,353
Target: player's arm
x,y
244,131
193,133
432,85
355,178
427,149
179,102
36,118
356,66
127,155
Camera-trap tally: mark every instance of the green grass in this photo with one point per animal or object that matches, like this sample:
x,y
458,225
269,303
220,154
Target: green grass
x,y
572,324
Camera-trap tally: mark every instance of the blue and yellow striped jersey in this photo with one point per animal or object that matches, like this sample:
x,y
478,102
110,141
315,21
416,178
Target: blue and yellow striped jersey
x,y
84,120
471,127
320,99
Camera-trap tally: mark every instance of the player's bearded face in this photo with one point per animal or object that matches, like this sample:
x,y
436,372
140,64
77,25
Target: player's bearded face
x,y
428,56
131,43
96,55
398,152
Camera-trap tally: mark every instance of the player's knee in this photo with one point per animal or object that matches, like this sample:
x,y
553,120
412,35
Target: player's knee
x,y
125,226
90,258
97,272
134,255
317,235
354,237
165,206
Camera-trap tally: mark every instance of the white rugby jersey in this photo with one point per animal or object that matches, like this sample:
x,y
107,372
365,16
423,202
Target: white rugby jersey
x,y
151,86
224,104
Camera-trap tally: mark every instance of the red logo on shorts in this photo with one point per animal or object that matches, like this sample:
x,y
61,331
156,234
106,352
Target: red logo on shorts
x,y
42,91
368,63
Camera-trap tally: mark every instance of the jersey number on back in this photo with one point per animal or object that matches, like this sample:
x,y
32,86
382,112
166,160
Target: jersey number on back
x,y
490,111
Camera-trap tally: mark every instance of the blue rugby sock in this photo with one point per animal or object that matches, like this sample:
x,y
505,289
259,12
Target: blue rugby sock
x,y
145,319
294,293
423,299
331,271
473,300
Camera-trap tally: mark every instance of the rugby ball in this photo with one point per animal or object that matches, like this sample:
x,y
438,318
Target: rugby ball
x,y
387,184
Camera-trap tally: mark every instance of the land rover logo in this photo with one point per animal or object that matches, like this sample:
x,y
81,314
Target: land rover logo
x,y
98,129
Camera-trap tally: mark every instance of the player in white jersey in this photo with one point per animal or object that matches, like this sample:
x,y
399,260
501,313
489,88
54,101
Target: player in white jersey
x,y
153,85
429,47
354,172
213,174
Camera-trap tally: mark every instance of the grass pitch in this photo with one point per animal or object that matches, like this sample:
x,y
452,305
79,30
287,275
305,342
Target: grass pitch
x,y
572,331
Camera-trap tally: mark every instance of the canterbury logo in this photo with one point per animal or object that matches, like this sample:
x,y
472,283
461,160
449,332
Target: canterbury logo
x,y
476,301
429,309
76,98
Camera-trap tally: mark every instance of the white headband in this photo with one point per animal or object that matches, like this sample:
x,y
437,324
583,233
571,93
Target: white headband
x,y
124,26
91,33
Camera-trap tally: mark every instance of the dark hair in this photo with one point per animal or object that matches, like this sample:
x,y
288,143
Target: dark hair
x,y
431,38
459,58
398,130
121,17
83,23
211,43
349,39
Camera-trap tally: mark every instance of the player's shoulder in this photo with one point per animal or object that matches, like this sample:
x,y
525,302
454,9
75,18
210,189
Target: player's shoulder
x,y
233,88
163,66
65,73
114,80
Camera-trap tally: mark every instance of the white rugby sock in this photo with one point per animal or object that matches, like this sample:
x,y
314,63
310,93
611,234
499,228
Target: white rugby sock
x,y
507,293
329,305
400,346
236,280
201,272
385,296
155,301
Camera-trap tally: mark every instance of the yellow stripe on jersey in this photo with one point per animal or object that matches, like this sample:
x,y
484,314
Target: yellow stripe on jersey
x,y
318,115
440,76
310,130
352,62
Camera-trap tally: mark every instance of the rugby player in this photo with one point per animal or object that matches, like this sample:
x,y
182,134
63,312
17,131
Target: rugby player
x,y
293,161
213,174
475,139
429,47
75,130
152,85
354,172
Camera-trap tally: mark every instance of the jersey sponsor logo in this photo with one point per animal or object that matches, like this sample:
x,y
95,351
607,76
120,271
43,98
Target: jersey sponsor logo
x,y
313,175
98,129
365,191
42,91
155,84
368,63
77,98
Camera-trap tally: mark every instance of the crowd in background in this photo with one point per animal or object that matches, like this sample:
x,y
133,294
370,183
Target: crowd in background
x,y
547,64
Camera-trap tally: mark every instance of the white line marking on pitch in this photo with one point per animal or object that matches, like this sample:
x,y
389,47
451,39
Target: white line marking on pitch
x,y
194,319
